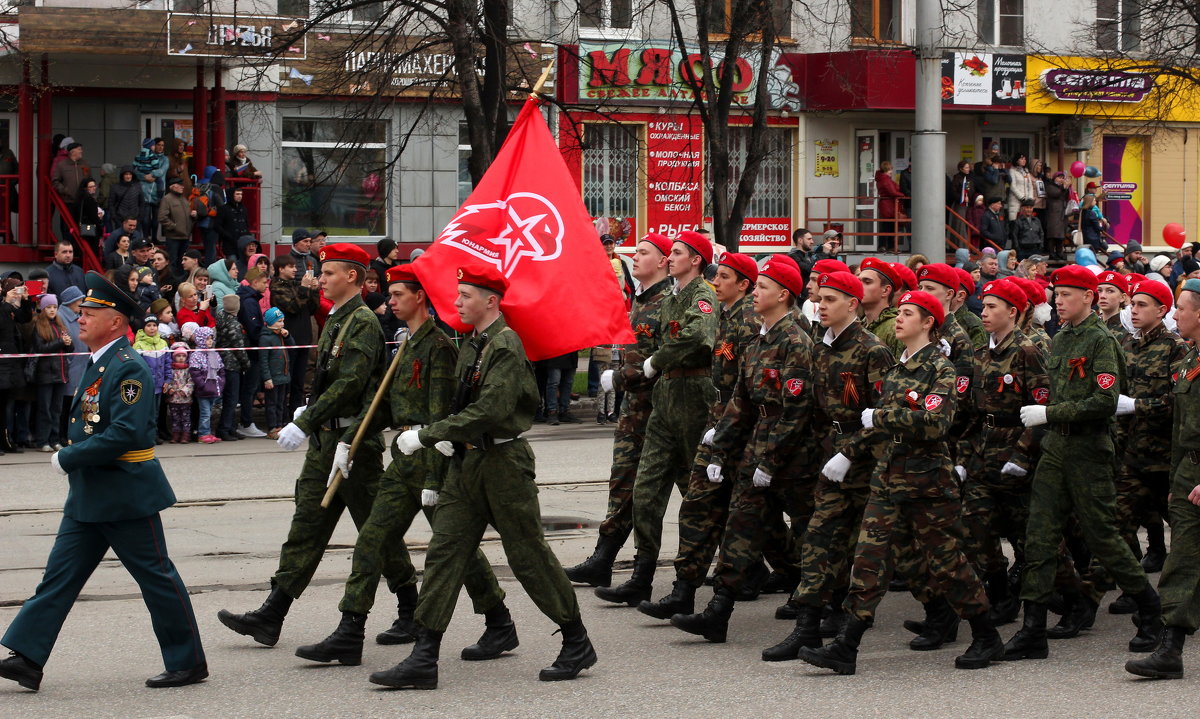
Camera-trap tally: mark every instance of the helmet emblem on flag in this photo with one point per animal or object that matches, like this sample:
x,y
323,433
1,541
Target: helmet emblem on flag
x,y
524,224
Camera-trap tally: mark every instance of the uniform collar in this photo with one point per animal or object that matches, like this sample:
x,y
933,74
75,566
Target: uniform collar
x,y
738,305
493,328
830,338
648,293
916,359
100,352
350,303
999,347
771,333
1143,338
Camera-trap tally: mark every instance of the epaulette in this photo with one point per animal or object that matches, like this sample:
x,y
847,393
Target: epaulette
x,y
123,355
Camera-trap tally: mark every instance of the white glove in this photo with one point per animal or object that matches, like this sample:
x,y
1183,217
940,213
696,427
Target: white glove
x,y
1124,405
56,466
606,380
708,437
291,437
409,441
648,369
837,466
1014,470
868,418
761,478
1032,415
299,411
341,461
962,472
429,497
445,447
714,473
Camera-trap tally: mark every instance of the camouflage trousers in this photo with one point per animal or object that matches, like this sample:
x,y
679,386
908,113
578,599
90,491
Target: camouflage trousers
x,y
312,526
933,527
381,538
627,453
1075,475
496,487
827,546
1141,500
994,507
1179,584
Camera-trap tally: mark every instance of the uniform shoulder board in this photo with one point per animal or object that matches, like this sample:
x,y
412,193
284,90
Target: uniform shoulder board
x,y
123,354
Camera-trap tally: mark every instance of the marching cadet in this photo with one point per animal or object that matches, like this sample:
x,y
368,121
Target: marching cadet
x,y
421,393
941,281
350,364
1112,289
1181,573
849,364
765,425
116,491
821,267
680,402
490,481
654,287
914,498
880,287
705,505
968,319
1036,314
1074,474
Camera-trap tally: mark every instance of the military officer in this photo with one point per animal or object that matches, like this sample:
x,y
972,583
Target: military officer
x,y
117,490
490,481
881,283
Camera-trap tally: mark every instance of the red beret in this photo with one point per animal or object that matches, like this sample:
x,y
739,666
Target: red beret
x,y
485,276
1116,279
908,278
660,241
783,270
925,301
1135,277
1035,292
1010,292
345,252
741,264
823,266
697,242
402,273
965,280
941,273
842,282
1155,289
884,268
1074,276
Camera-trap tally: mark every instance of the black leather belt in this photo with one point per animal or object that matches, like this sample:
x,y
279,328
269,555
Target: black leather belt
x,y
994,421
1067,429
769,411
846,426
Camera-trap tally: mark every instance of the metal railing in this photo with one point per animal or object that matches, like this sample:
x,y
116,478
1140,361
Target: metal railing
x,y
89,258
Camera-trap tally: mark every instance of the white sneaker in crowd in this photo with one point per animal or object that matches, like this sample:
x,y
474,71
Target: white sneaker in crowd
x,y
251,431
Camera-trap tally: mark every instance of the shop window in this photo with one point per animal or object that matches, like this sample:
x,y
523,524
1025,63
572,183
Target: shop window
x,y
291,8
194,6
464,157
780,14
610,165
335,176
1118,25
875,20
605,14
1002,22
773,189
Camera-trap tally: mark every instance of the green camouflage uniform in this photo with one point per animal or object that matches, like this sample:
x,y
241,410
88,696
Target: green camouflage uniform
x,y
973,326
847,377
1179,584
421,393
635,407
1036,334
1115,326
347,374
1074,474
914,499
490,481
766,423
884,327
680,401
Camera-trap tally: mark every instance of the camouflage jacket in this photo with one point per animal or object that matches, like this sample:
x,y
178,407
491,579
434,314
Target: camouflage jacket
x,y
1086,371
973,326
1185,440
644,318
1036,334
884,327
1007,377
350,366
1152,361
1114,325
771,406
736,329
962,356
847,378
689,326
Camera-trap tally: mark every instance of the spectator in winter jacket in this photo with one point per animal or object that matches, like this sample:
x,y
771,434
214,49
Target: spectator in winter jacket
x,y
208,378
299,298
179,390
231,334
49,337
209,200
247,247
153,349
164,312
124,197
275,370
223,278
63,272
232,221
193,307
70,173
150,168
301,252
1027,232
992,224
240,164
177,165
250,315
176,216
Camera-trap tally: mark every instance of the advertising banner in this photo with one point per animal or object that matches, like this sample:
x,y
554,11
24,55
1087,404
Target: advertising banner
x,y
1123,170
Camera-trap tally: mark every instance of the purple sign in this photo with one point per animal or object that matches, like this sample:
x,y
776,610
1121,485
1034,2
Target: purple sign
x,y
1097,85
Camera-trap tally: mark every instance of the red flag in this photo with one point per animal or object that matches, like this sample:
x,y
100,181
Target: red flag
x,y
526,217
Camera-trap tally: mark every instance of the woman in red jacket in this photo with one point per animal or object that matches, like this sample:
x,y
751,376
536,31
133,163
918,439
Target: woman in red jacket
x,y
888,192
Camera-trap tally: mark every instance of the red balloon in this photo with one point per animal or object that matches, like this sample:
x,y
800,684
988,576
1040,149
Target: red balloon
x,y
1174,235
1078,168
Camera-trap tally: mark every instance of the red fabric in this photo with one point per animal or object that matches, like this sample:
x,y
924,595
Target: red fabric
x,y
927,302
527,219
842,282
204,319
888,190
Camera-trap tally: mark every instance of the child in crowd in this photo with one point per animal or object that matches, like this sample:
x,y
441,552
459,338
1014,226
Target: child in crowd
x,y
208,376
167,329
276,370
179,388
153,349
49,338
187,333
231,334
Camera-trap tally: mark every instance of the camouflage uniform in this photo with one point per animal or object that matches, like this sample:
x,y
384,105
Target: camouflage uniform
x,y
847,377
1036,334
680,402
914,500
1181,573
421,392
973,326
347,374
490,481
1117,329
767,423
884,327
1086,369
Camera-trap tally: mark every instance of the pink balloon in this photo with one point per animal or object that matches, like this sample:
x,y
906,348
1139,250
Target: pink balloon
x,y
1174,234
1078,168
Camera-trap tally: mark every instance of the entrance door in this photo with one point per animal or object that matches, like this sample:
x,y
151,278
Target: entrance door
x,y
170,128
866,148
8,131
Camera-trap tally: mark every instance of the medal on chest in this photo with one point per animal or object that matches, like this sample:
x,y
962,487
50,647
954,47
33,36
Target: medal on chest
x,y
1007,382
89,406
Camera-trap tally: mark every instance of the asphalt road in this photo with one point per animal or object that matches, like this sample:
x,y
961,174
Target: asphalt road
x,y
224,536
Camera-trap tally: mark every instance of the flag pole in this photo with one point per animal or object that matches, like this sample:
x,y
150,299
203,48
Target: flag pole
x,y
537,87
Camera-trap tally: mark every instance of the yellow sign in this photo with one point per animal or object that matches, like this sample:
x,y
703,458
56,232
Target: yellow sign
x,y
826,159
966,153
1100,88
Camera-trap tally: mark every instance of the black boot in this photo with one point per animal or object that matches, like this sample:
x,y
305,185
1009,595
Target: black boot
x,y
1123,604
986,645
1148,620
1166,662
1080,615
841,655
713,622
940,627
344,645
634,591
419,671
1004,606
780,583
576,655
22,671
1030,642
1156,549
756,579
681,600
263,624
596,570
404,629
499,636
833,617
789,611
804,635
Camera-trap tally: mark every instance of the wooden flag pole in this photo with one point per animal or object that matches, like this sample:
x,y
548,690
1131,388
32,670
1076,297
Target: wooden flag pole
x,y
537,87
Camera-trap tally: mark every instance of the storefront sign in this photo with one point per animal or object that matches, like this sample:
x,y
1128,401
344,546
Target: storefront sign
x,y
614,72
983,79
674,190
1123,168
1097,86
826,159
1119,190
206,35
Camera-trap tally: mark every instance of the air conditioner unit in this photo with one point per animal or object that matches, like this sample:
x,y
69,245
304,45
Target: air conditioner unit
x,y
1077,134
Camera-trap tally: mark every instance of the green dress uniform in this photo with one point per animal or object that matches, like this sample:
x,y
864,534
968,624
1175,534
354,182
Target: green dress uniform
x,y
1180,580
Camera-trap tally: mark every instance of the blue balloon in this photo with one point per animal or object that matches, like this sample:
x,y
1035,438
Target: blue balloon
x,y
1091,171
